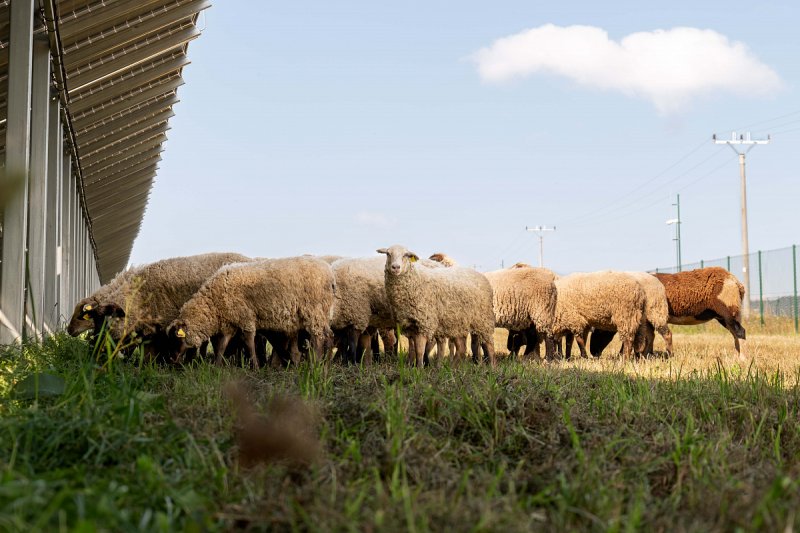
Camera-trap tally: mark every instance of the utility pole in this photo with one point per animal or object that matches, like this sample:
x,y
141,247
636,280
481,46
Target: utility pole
x,y
677,239
743,140
540,230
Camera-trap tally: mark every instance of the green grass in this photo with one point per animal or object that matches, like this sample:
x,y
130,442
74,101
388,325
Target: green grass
x,y
523,447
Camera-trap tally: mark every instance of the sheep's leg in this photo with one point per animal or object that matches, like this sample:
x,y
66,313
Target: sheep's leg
x,y
352,345
316,347
452,344
650,339
294,349
568,338
532,343
426,361
627,345
375,345
365,348
250,342
261,349
643,341
581,340
599,341
666,334
512,343
441,346
549,347
475,346
461,349
203,350
219,349
389,342
488,349
280,348
420,345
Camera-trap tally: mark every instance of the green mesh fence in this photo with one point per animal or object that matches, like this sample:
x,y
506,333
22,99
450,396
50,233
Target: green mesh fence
x,y
773,281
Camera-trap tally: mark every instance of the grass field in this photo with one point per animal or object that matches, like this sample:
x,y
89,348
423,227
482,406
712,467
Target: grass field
x,y
696,442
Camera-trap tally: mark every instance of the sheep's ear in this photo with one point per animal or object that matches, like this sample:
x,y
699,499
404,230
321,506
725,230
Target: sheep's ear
x,y
112,310
413,257
87,307
382,251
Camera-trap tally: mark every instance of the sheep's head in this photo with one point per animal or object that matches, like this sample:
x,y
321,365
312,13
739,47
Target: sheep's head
x,y
83,317
398,259
91,314
179,339
444,259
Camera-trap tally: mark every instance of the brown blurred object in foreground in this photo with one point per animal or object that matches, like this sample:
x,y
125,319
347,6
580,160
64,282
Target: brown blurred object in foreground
x,y
285,433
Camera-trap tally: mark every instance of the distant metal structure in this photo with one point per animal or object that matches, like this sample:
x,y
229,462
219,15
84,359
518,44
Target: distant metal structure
x,y
86,92
677,238
540,230
743,139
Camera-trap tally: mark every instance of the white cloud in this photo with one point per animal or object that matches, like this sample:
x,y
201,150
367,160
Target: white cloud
x,y
374,219
667,67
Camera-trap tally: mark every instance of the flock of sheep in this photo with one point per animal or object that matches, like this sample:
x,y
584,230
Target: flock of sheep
x,y
319,306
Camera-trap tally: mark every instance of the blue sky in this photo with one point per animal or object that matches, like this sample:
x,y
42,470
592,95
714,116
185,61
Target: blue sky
x,y
321,127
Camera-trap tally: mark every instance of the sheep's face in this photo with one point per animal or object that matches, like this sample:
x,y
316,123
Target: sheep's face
x,y
90,314
398,259
177,339
83,317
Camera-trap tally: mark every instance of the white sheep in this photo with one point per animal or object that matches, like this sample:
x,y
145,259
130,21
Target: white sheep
x,y
451,302
656,316
610,301
286,296
525,300
361,307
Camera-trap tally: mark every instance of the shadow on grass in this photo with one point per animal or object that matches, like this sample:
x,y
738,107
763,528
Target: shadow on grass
x,y
451,447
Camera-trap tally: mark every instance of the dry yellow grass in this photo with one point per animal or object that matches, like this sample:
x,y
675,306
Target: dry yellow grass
x,y
770,349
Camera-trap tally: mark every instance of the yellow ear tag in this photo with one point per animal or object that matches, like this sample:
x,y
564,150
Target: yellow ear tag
x,y
180,333
87,307
87,316
413,259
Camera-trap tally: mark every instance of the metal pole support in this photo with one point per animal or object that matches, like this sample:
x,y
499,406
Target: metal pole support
x,y
760,290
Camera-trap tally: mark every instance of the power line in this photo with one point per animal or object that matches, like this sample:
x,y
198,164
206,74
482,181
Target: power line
x,y
651,204
611,204
592,218
797,112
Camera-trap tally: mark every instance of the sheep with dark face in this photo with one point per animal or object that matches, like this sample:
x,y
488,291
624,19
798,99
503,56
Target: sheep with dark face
x,y
697,296
451,302
91,312
287,296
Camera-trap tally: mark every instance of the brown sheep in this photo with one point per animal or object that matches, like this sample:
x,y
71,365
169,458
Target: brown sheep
x,y
697,296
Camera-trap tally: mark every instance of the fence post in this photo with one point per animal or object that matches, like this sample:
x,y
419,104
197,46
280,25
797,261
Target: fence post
x,y
760,290
794,275
729,264
702,264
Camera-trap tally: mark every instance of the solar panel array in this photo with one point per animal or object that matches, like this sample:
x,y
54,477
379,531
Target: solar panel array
x,y
117,66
